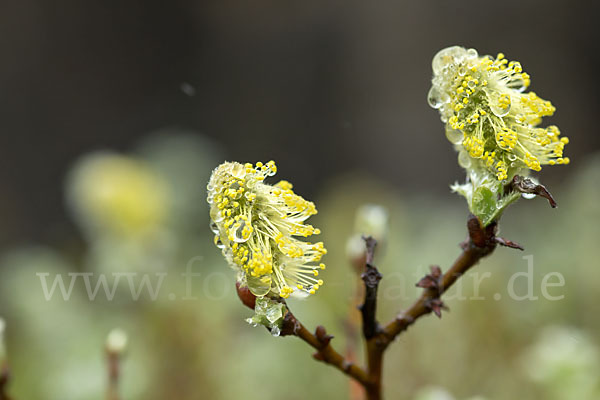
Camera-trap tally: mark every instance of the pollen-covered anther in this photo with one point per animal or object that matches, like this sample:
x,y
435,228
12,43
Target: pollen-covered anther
x,y
474,146
501,171
286,291
506,139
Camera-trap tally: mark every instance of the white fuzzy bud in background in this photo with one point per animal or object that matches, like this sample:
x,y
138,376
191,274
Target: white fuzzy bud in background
x,y
433,393
370,220
116,341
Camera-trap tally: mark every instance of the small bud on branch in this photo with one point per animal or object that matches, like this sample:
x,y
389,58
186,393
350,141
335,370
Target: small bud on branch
x,y
526,185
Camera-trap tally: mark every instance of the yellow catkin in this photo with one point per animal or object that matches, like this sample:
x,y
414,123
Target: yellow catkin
x,y
484,98
256,225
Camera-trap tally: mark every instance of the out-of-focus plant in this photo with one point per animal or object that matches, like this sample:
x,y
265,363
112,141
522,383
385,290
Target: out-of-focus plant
x,y
370,220
565,362
138,212
2,345
257,226
118,195
4,373
438,393
116,345
433,393
122,206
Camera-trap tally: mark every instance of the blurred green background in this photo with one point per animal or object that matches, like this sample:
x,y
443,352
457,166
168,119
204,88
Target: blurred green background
x,y
114,115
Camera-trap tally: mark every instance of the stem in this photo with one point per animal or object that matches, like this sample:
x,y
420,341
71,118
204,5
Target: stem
x,y
4,378
375,368
352,327
480,243
371,278
114,369
320,341
371,328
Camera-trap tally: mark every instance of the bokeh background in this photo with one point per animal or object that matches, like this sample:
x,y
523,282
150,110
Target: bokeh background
x,y
147,97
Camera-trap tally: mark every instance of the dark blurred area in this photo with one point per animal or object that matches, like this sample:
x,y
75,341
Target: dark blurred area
x,y
321,87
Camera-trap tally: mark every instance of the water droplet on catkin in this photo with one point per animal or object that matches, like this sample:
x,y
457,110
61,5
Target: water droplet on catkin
x,y
464,160
214,228
434,98
455,136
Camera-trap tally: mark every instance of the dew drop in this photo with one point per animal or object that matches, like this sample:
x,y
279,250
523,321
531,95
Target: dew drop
x,y
455,136
214,228
464,160
446,56
282,247
215,215
434,98
498,109
248,196
520,87
219,244
275,331
528,196
270,172
238,171
235,186
472,53
251,322
259,286
250,183
238,235
462,71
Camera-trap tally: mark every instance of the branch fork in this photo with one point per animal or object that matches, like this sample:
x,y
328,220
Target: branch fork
x,y
481,242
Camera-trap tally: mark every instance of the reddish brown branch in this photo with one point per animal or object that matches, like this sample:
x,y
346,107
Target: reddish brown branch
x,y
4,378
113,361
371,278
353,325
320,341
371,328
480,243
